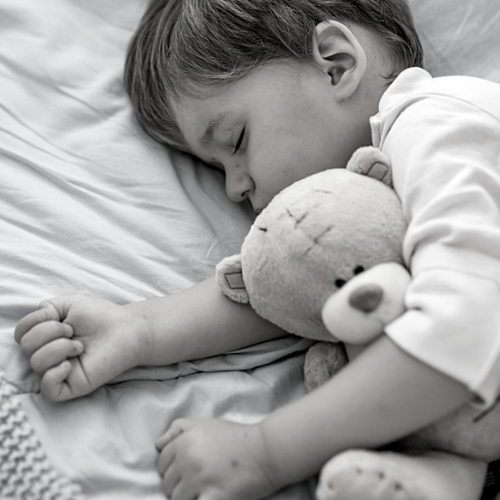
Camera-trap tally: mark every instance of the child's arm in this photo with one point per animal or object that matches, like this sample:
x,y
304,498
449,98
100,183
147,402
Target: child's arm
x,y
79,343
380,397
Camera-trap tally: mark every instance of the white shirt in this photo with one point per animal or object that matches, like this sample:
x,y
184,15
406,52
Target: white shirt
x,y
443,138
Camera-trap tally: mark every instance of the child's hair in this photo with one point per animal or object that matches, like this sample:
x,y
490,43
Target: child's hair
x,y
185,47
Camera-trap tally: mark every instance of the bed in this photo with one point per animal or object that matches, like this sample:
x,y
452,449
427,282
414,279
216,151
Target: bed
x,y
90,204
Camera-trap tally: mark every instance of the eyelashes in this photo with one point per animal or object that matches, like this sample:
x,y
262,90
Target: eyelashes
x,y
240,140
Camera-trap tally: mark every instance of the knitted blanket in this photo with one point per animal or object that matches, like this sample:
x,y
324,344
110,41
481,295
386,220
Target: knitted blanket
x,y
25,472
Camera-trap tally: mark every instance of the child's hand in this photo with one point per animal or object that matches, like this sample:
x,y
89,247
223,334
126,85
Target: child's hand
x,y
78,344
213,460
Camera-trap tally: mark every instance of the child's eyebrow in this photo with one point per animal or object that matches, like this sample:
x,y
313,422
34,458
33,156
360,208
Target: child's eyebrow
x,y
212,126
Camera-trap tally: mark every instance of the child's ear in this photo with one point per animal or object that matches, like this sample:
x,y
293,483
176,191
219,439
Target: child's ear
x,y
338,53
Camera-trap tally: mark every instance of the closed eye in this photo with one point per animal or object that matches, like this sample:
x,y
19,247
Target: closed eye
x,y
240,140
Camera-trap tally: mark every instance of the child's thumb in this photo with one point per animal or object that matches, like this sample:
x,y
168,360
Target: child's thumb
x,y
177,427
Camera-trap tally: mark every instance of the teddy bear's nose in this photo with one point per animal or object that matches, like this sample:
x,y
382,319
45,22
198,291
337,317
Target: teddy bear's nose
x,y
366,298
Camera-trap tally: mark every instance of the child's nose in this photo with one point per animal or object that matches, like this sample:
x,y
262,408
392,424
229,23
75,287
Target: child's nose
x,y
239,186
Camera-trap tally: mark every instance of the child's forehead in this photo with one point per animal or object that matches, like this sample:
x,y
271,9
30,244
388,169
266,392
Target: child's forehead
x,y
257,77
217,102
199,119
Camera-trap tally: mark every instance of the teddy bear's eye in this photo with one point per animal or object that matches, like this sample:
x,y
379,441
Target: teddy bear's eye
x,y
359,269
340,283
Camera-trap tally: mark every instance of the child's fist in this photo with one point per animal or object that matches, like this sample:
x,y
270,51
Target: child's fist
x,y
78,343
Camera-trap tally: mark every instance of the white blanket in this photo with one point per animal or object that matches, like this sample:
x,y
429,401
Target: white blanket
x,y
90,204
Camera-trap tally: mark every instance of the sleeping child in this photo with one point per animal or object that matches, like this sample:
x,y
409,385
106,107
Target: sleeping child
x,y
269,92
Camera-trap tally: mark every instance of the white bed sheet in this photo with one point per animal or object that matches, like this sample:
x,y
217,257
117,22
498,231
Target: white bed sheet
x,y
90,204
459,37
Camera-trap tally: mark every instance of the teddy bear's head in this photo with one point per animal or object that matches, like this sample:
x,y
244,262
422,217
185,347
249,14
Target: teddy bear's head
x,y
313,238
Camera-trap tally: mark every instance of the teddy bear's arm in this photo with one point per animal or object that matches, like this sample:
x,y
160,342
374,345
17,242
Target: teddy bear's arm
x,y
323,360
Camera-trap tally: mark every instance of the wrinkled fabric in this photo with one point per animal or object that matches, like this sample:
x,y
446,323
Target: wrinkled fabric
x,y
459,37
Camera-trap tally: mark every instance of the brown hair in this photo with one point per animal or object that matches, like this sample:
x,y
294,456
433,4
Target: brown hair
x,y
182,46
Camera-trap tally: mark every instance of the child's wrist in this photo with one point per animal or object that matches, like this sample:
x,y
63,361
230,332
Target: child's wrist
x,y
282,468
266,448
140,331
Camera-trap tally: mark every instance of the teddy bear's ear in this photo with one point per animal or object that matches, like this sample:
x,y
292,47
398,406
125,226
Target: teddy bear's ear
x,y
371,162
229,277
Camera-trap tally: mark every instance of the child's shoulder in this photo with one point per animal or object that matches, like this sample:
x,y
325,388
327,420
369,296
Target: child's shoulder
x,y
415,84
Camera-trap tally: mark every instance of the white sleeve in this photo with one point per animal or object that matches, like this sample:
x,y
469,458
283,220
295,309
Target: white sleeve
x,y
446,165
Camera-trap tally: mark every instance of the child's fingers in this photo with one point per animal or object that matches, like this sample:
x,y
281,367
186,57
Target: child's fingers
x,y
175,487
60,305
53,386
44,333
177,427
33,319
165,462
55,352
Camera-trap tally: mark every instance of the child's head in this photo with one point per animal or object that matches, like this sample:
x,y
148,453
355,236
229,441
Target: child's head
x,y
260,64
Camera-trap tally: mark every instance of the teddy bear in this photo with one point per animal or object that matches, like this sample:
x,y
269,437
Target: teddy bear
x,y
324,261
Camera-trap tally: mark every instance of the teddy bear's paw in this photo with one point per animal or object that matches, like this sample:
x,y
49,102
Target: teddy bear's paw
x,y
388,475
358,483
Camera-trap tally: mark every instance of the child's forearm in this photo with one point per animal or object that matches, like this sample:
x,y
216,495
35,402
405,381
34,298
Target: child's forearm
x,y
382,396
198,323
